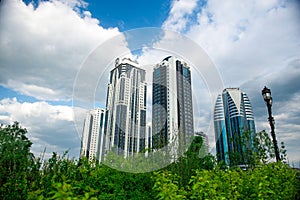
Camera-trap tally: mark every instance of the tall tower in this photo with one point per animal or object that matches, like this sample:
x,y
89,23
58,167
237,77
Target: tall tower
x,y
233,118
92,137
125,123
172,110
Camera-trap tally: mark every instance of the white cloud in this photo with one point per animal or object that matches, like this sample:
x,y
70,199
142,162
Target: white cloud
x,y
38,92
74,3
247,39
48,126
35,111
42,48
179,14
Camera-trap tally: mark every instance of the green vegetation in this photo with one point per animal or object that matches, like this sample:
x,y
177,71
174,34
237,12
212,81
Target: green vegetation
x,y
192,176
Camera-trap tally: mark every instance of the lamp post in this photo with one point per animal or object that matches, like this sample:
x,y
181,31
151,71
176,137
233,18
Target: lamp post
x,y
266,93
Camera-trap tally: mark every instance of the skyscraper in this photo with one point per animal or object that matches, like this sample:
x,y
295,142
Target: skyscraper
x,y
92,137
233,118
125,122
172,108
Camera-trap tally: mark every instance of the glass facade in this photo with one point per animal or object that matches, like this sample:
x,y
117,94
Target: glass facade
x,y
172,108
234,125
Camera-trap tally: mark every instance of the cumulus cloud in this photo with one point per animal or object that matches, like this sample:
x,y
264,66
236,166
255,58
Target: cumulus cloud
x,y
179,15
43,47
248,37
48,126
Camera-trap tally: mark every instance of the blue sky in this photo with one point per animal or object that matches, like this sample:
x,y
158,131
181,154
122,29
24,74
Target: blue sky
x,y
44,45
130,14
127,14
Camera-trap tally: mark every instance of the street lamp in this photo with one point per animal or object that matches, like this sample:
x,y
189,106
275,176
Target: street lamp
x,y
266,93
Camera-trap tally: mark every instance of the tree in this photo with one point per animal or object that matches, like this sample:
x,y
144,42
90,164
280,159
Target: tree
x,y
17,163
264,148
256,149
191,160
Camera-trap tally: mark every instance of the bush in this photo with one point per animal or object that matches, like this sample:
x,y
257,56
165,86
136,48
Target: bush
x,y
269,181
191,177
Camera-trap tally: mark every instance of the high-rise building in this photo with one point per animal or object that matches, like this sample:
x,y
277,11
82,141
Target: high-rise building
x,y
233,119
205,146
92,137
172,108
125,122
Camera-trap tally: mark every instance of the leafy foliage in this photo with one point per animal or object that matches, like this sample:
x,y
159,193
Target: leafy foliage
x,y
208,180
167,185
191,177
192,159
17,165
67,179
264,147
270,181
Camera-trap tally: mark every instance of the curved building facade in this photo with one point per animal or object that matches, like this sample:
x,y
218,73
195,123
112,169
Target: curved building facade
x,y
233,118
